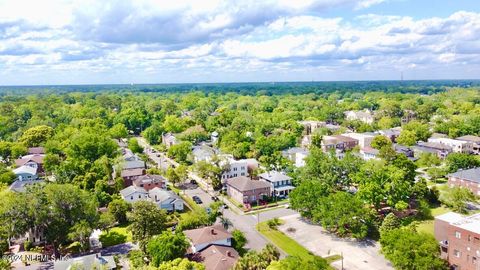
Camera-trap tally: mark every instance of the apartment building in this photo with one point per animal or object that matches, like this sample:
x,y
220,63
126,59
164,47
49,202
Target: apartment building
x,y
457,146
459,239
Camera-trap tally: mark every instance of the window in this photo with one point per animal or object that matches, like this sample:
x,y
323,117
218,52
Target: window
x,y
458,235
474,260
469,238
456,253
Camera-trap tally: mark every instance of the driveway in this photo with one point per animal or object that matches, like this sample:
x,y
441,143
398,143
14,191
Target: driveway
x,y
358,255
194,190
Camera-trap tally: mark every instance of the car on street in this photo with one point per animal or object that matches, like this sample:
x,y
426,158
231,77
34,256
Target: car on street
x,y
197,199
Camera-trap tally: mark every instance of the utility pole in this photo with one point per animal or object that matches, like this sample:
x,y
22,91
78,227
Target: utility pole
x,y
342,258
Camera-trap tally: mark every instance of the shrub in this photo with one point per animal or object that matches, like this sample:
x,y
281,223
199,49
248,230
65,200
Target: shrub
x,y
273,223
3,246
136,259
112,238
74,247
27,245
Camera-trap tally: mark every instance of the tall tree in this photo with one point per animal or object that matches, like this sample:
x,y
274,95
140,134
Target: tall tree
x,y
167,247
146,220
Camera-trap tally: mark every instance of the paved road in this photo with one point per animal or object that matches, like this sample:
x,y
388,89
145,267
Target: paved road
x,y
247,224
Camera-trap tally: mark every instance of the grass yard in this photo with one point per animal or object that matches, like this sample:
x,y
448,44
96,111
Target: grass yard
x,y
288,245
427,225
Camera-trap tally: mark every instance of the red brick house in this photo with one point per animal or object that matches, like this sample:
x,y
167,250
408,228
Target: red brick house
x,y
244,190
466,178
459,239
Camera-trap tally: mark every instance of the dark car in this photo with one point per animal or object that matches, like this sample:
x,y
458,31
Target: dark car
x,y
197,199
215,199
193,182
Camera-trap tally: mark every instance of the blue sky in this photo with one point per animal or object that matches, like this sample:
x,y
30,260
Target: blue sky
x,y
146,41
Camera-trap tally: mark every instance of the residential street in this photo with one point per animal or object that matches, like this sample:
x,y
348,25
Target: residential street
x,y
245,223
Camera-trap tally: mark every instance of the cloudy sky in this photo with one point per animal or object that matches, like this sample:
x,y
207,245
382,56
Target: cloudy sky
x,y
143,41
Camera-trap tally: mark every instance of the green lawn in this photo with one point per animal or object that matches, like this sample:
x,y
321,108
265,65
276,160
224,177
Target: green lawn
x,y
288,245
427,225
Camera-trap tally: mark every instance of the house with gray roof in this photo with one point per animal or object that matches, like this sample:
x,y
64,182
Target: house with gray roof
x,y
26,173
203,152
469,179
474,140
280,183
166,199
132,194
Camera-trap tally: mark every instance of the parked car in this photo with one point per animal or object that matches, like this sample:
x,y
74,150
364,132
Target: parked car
x,y
197,199
193,182
214,198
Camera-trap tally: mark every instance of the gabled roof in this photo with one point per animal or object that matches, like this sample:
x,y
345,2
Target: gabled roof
x,y
469,138
25,169
149,178
36,150
21,186
275,176
208,234
37,158
217,257
133,164
132,189
132,172
469,175
163,195
243,183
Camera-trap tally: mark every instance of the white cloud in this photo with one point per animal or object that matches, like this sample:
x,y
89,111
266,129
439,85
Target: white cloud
x,y
213,38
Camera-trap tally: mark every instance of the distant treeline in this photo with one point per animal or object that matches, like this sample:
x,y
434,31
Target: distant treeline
x,y
272,88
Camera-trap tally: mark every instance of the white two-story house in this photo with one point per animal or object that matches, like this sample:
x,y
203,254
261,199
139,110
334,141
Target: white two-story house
x,y
281,184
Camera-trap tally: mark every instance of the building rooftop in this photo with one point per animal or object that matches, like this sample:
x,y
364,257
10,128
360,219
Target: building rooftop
x,y
37,158
162,195
132,172
243,183
21,186
149,178
469,138
217,257
469,223
207,234
87,262
132,189
25,169
470,174
433,145
36,150
275,176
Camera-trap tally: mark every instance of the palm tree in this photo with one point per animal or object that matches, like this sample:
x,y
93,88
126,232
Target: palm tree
x,y
226,223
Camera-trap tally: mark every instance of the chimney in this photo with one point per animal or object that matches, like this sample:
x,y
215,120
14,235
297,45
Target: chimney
x,y
229,253
212,231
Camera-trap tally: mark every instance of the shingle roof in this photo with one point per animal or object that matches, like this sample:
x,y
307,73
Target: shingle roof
x,y
36,150
207,234
25,169
275,176
37,158
132,172
243,183
469,138
469,175
162,195
133,164
149,178
132,189
217,257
